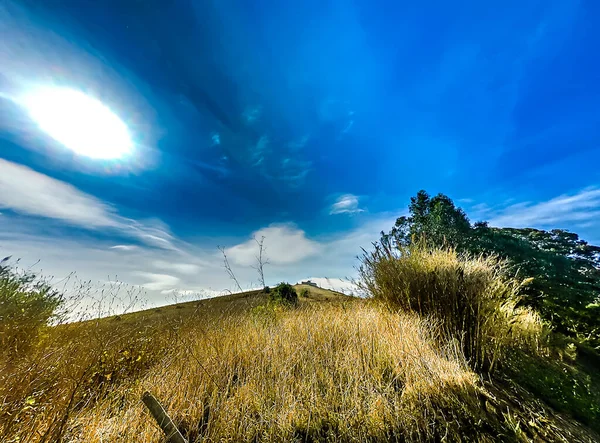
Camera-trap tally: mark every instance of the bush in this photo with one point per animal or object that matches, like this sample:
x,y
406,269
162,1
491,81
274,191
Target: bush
x,y
27,305
305,293
267,290
284,293
565,387
473,299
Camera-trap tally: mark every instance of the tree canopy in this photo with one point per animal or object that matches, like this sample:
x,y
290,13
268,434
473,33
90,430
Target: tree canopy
x,y
565,269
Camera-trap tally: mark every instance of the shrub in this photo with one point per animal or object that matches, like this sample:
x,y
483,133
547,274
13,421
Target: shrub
x,y
305,293
267,290
284,293
474,299
563,386
27,304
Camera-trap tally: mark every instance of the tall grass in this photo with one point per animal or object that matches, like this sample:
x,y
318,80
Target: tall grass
x,y
28,304
352,372
239,368
473,298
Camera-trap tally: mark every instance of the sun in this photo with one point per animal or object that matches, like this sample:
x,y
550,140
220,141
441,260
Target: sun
x,y
80,122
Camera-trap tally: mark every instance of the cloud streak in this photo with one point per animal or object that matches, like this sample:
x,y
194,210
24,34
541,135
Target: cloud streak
x,y
582,207
28,192
345,204
31,193
180,268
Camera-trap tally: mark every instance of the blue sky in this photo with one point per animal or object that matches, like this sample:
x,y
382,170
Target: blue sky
x,y
311,123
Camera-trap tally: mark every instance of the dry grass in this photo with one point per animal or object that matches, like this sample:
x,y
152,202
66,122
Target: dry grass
x,y
343,372
236,369
474,298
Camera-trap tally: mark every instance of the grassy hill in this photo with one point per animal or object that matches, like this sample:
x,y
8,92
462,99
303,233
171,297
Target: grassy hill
x,y
242,302
241,368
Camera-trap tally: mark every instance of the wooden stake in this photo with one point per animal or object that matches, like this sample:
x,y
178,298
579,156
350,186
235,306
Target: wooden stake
x,y
163,420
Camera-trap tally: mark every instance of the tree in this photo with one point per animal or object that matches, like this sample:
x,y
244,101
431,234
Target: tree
x,y
566,269
434,221
285,294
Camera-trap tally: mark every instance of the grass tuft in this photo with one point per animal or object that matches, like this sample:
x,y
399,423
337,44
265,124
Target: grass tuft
x,y
473,298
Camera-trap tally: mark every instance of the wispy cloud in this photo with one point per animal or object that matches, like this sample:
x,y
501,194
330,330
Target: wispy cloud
x,y
157,271
31,193
180,268
26,191
346,204
124,247
299,143
582,207
159,282
284,244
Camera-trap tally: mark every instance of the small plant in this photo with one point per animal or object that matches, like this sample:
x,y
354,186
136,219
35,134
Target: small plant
x,y
27,305
267,290
285,294
305,293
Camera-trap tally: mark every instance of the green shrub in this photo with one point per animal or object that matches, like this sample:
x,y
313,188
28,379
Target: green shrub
x,y
473,299
27,305
305,293
565,387
284,293
267,290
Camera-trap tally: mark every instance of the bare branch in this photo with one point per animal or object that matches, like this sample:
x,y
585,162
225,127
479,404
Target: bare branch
x,y
261,260
227,267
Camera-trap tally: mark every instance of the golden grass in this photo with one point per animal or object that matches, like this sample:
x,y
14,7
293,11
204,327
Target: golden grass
x,y
475,299
339,372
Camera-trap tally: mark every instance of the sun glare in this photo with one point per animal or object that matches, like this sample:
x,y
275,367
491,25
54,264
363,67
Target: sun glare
x,y
81,123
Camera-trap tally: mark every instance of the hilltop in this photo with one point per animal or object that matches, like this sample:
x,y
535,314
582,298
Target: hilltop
x,y
239,302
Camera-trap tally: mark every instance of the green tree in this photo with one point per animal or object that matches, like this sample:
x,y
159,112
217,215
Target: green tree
x,y
566,272
284,293
566,269
435,221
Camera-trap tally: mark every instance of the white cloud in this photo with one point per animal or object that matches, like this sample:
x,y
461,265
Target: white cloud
x,y
284,244
152,232
124,247
159,282
336,257
31,193
26,191
346,204
582,207
181,268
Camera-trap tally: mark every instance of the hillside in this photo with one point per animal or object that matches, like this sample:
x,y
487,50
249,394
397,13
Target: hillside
x,y
227,304
235,368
